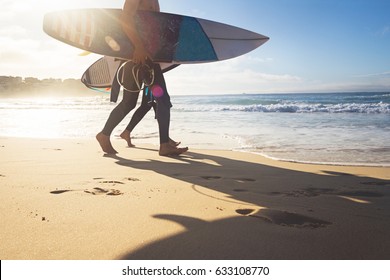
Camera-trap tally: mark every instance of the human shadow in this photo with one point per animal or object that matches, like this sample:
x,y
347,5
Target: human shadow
x,y
290,214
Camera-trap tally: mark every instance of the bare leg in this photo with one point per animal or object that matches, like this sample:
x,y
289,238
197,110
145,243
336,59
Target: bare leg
x,y
163,117
105,143
167,150
174,143
127,104
125,135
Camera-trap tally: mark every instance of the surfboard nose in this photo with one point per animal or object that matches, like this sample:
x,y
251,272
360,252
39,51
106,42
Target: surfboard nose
x,y
231,41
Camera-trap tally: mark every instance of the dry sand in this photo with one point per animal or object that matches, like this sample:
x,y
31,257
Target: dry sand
x,y
63,199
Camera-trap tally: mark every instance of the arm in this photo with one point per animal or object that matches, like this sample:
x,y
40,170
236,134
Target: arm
x,y
128,25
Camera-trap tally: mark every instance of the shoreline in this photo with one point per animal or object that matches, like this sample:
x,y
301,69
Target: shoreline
x,y
346,164
238,150
62,199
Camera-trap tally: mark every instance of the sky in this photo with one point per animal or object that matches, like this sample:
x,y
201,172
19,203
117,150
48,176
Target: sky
x,y
314,46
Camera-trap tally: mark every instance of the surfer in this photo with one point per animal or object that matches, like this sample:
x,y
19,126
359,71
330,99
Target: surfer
x,y
139,114
147,103
140,56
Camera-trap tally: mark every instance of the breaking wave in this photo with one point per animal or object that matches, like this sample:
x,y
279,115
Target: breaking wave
x,y
362,108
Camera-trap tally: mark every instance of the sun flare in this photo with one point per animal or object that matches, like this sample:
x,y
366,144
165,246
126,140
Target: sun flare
x,y
50,5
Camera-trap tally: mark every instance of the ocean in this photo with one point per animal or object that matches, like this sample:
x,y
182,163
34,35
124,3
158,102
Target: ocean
x,y
336,128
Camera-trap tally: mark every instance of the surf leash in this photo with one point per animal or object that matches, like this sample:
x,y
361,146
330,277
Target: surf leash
x,y
138,69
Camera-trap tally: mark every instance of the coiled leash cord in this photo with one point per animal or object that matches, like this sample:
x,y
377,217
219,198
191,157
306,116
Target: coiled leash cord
x,y
136,71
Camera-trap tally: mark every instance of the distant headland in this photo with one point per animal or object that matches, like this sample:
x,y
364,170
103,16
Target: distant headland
x,y
18,86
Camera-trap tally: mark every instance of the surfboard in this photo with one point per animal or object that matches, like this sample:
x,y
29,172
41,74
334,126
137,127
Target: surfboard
x,y
102,72
168,38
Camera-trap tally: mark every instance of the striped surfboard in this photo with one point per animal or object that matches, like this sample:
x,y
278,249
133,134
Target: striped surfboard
x,y
102,72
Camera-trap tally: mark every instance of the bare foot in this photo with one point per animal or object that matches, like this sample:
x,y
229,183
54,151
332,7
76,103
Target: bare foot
x,y
105,143
167,150
174,143
125,135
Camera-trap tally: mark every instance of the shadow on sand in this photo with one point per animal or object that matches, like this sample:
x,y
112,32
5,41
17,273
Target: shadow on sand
x,y
301,215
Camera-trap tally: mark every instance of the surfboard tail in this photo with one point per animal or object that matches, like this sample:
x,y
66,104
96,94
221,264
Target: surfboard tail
x,y
76,27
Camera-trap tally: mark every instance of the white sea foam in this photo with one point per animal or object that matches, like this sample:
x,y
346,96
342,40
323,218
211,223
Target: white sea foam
x,y
331,128
364,108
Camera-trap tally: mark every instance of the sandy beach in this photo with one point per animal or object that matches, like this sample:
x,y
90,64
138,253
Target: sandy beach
x,y
65,200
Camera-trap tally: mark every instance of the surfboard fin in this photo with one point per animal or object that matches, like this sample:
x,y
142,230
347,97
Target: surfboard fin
x,y
84,53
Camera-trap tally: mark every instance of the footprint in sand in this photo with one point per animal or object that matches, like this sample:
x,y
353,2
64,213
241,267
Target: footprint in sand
x,y
239,180
51,149
61,191
240,190
245,212
308,192
284,218
244,180
376,183
361,194
100,191
132,179
112,182
102,181
313,192
211,177
94,191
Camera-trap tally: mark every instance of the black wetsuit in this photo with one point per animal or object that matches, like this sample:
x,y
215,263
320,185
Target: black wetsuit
x,y
129,102
147,103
